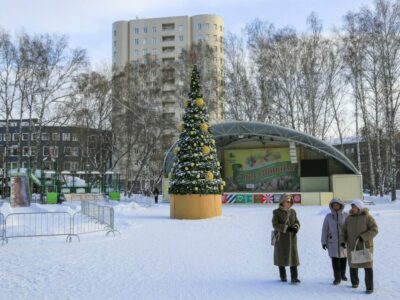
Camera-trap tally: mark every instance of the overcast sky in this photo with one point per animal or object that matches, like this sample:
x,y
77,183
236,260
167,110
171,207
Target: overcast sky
x,y
88,22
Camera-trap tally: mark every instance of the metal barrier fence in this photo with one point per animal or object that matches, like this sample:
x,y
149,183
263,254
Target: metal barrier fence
x,y
92,218
37,224
2,227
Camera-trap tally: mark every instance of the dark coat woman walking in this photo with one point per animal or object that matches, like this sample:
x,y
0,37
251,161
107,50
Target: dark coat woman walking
x,y
286,226
331,237
360,226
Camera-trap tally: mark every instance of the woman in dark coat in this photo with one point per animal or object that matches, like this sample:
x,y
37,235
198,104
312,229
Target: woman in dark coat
x,y
286,226
331,237
360,226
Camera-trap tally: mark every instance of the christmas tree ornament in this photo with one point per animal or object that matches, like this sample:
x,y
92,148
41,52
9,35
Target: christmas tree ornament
x,y
200,102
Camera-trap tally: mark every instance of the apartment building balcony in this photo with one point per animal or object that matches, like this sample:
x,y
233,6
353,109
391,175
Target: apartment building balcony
x,y
168,27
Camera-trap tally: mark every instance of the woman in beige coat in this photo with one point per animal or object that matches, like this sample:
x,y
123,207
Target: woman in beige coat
x,y
361,226
286,226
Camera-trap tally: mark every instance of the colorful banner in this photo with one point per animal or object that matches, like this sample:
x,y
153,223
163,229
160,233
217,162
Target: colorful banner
x,y
266,169
258,198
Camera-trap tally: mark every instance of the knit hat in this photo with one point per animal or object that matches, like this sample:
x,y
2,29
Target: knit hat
x,y
358,203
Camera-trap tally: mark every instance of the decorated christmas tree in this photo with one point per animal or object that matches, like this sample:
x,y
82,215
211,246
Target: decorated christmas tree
x,y
196,169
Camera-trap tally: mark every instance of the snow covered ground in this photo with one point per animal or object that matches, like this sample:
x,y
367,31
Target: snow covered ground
x,y
159,258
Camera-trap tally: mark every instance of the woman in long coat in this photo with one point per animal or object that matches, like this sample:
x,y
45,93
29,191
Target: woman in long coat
x,y
361,226
286,226
331,237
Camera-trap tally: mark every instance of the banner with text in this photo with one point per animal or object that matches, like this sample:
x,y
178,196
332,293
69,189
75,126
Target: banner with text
x,y
266,169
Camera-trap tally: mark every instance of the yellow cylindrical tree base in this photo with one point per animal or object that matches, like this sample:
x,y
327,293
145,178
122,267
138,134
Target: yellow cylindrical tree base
x,y
195,207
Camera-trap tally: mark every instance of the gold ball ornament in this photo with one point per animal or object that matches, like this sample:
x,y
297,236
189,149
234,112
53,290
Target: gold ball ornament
x,y
186,103
204,127
206,150
196,188
186,169
209,176
199,102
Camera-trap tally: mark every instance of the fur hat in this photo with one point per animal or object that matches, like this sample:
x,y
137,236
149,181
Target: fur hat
x,y
358,203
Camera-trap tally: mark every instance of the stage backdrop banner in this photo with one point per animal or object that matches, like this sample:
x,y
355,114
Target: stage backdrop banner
x,y
260,170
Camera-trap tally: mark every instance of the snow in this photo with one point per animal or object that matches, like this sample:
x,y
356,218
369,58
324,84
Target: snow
x,y
155,257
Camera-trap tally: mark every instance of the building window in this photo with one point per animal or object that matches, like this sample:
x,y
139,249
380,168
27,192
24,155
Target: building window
x,y
199,37
14,151
206,37
15,136
55,136
45,136
66,136
154,29
115,32
25,136
220,28
199,26
136,52
144,41
67,151
51,151
215,38
154,51
25,151
33,151
180,28
136,41
181,38
75,151
74,138
215,27
34,136
207,26
215,49
144,29
136,30
13,165
144,52
154,41
221,39
115,43
1,137
6,137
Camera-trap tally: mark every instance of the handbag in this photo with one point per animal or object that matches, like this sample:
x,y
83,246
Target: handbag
x,y
361,256
276,234
274,237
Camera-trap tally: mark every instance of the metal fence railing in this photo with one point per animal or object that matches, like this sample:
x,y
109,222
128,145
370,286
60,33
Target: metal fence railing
x,y
2,228
93,217
37,224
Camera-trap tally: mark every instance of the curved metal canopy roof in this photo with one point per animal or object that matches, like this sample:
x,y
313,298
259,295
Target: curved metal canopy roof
x,y
239,129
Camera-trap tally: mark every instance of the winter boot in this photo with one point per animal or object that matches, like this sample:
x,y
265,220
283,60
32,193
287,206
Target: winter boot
x,y
343,264
369,280
336,270
294,275
282,274
354,277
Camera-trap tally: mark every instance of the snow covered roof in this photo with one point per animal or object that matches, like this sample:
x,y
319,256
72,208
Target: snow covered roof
x,y
240,129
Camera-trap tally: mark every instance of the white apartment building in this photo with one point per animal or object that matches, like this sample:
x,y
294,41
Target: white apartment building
x,y
165,38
